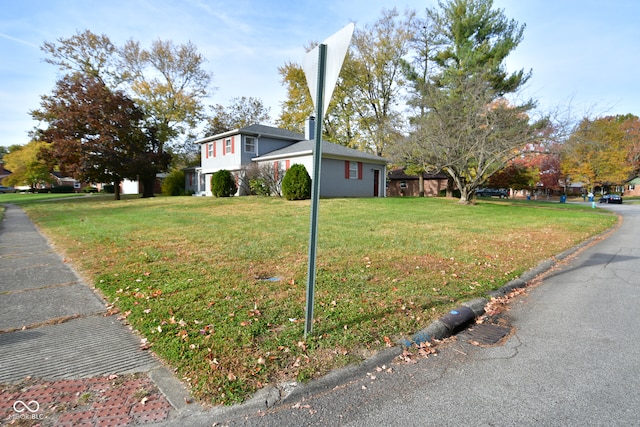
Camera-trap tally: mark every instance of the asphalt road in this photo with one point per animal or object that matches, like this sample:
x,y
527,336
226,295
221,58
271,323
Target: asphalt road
x,y
573,359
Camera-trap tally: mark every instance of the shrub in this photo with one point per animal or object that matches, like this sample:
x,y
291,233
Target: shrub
x,y
173,184
62,189
259,187
262,180
296,184
223,184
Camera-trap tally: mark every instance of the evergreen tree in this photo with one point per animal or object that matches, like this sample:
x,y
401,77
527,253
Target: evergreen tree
x,y
296,184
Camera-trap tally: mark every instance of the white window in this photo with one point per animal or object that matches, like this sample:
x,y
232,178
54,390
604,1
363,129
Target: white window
x,y
403,184
249,144
210,150
228,146
353,170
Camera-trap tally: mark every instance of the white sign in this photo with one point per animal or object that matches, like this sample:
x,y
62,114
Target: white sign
x,y
337,46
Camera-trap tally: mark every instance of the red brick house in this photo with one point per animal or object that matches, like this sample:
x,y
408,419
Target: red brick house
x,y
401,184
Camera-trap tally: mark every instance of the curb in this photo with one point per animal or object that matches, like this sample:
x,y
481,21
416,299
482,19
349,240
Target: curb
x,y
469,311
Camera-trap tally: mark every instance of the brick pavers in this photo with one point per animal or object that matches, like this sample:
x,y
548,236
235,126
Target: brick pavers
x,y
93,402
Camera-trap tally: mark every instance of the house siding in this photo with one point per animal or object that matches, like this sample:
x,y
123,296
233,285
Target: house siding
x,y
334,183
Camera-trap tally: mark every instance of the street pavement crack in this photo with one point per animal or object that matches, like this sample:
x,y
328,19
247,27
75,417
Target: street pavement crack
x,y
39,288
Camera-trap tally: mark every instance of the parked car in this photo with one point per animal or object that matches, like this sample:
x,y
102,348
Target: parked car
x,y
490,192
611,198
4,189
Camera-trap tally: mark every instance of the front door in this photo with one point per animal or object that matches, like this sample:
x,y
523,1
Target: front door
x,y
376,183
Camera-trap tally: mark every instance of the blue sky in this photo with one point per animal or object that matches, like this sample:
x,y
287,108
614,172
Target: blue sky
x,y
582,52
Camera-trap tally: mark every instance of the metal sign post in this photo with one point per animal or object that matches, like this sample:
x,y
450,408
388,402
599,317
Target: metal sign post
x,y
315,193
322,76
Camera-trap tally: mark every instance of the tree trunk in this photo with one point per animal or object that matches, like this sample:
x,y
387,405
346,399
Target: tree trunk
x,y
147,185
421,184
116,189
466,196
449,187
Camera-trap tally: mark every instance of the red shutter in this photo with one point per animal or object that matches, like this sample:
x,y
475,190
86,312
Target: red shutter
x,y
214,148
359,170
287,164
346,169
233,145
275,170
205,147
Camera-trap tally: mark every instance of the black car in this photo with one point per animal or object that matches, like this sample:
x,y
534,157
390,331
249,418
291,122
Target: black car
x,y
490,192
4,189
611,198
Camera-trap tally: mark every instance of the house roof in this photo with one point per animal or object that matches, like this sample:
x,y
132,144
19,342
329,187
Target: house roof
x,y
4,172
329,149
256,130
634,181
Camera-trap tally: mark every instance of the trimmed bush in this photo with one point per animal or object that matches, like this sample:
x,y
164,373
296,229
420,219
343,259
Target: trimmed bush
x,y
62,189
173,184
296,184
223,184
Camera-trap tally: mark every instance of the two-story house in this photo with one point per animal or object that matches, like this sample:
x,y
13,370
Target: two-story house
x,y
345,172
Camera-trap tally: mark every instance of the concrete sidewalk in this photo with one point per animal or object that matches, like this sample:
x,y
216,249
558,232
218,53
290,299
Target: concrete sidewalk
x,y
60,348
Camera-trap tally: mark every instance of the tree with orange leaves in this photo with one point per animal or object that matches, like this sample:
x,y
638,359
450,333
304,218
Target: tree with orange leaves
x,y
603,151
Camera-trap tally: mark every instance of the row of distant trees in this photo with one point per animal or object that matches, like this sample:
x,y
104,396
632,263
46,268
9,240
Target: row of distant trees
x,y
432,93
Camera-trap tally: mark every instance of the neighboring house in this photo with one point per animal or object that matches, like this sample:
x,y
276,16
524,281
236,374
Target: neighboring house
x,y
401,184
128,186
345,172
60,180
3,172
632,187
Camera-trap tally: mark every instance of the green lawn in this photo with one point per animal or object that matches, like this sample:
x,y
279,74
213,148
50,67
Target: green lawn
x,y
189,273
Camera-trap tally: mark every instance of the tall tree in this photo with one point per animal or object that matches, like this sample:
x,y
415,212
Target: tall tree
x,y
167,81
599,152
419,72
241,112
469,130
375,73
95,134
339,120
88,54
26,165
631,129
364,111
297,106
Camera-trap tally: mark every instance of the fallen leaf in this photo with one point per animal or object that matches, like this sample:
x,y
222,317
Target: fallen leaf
x,y
124,315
